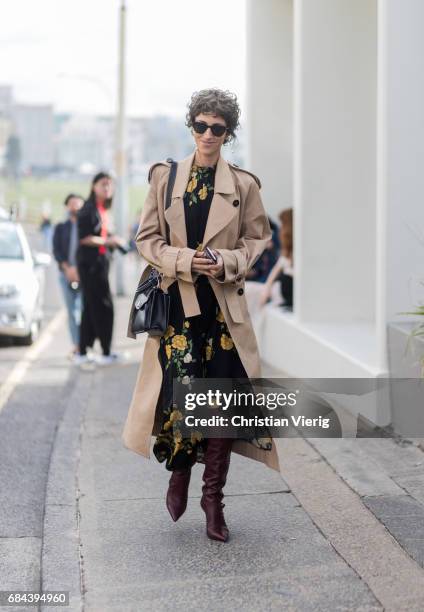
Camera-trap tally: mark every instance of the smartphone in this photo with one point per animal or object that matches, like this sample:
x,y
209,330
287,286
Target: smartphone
x,y
123,249
209,253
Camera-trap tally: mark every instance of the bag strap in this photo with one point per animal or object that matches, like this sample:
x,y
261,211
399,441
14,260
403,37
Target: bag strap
x,y
170,187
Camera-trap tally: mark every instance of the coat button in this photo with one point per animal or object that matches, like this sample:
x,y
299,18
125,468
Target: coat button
x,y
236,203
240,291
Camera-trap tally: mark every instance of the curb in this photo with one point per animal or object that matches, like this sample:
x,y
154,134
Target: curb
x,y
61,559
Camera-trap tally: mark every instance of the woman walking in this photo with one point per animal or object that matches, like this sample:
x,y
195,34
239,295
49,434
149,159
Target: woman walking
x,y
216,205
96,243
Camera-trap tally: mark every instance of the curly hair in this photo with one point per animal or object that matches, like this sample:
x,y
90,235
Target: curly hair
x,y
215,102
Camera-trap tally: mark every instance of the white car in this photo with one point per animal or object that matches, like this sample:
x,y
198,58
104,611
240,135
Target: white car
x,y
22,278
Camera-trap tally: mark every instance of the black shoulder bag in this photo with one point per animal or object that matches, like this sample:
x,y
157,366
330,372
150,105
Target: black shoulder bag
x,y
151,305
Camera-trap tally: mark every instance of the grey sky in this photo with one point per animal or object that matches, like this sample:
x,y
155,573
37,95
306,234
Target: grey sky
x,y
174,48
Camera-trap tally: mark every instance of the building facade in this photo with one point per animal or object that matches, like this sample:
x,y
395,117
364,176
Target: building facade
x,y
336,98
33,124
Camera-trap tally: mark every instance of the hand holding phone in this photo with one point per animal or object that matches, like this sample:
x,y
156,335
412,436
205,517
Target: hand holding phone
x,y
215,259
211,255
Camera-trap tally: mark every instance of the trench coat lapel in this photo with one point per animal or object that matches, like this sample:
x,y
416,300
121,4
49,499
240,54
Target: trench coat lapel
x,y
221,210
175,215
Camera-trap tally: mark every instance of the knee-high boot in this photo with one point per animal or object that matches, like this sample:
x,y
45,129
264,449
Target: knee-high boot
x,y
217,463
177,495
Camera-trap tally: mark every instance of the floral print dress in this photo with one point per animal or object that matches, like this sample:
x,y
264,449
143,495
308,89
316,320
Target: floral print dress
x,y
195,347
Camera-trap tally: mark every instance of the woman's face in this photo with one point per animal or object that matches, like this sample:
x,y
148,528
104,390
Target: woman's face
x,y
103,189
207,143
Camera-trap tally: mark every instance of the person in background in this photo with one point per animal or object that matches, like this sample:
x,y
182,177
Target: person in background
x,y
132,231
96,243
65,244
257,276
283,268
260,271
46,229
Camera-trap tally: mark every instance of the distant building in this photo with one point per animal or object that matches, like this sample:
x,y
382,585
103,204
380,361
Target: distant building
x,y
34,125
6,101
5,132
165,137
83,143
86,143
74,144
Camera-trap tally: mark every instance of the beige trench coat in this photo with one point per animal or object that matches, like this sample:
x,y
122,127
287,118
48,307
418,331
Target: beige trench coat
x,y
238,228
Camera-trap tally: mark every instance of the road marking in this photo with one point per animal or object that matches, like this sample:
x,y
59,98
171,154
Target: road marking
x,y
33,352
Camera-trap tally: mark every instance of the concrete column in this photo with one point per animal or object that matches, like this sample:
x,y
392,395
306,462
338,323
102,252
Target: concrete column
x,y
400,194
335,58
269,99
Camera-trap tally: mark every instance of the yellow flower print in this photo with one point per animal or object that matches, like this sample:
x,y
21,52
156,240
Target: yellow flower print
x,y
220,317
226,342
208,353
264,442
196,436
168,351
203,193
192,184
170,331
175,416
178,447
178,439
179,342
186,324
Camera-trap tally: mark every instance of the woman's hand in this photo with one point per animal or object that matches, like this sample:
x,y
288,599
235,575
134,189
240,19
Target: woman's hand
x,y
265,295
114,241
203,265
71,274
200,263
217,270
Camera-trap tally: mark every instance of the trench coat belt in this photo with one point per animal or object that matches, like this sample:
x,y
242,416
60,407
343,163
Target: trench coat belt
x,y
188,297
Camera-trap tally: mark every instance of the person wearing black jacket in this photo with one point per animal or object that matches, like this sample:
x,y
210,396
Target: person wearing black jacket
x,y
65,244
96,243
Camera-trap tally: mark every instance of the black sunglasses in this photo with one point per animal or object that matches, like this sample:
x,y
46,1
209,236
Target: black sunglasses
x,y
217,129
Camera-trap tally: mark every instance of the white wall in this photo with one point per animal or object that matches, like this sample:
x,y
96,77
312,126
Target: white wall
x,y
269,94
401,151
357,81
335,107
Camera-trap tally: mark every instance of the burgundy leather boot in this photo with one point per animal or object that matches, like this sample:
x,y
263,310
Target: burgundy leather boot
x,y
176,498
217,463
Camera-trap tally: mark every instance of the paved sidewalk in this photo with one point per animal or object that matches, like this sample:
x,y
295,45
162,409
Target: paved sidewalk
x,y
133,557
307,543
342,529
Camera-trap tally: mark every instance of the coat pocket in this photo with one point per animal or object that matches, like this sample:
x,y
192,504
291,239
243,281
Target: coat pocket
x,y
234,303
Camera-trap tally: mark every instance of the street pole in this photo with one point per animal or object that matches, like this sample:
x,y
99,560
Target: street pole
x,y
121,196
